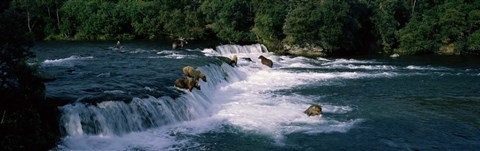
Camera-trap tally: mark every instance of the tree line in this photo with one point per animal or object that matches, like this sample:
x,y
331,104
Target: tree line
x,y
338,27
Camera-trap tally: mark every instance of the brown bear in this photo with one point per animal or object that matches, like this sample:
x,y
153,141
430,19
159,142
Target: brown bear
x,y
313,110
266,61
234,60
195,74
188,83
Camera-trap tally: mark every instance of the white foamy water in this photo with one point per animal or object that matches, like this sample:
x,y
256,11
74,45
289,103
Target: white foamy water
x,y
171,54
298,62
209,52
141,51
114,92
253,105
226,50
412,67
349,61
245,97
364,67
251,52
300,65
65,61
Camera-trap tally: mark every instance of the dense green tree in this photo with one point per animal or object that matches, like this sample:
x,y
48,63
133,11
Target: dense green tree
x,y
269,19
473,25
474,19
101,20
336,27
107,20
390,15
442,28
145,21
358,36
452,27
51,20
320,23
74,13
416,37
183,19
474,43
232,21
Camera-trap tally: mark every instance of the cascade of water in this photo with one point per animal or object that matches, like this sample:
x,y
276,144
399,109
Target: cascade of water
x,y
249,96
225,50
117,117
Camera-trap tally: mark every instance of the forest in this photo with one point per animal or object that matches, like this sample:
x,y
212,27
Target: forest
x,y
337,27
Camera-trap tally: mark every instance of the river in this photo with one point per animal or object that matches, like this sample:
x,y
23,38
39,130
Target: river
x,y
125,99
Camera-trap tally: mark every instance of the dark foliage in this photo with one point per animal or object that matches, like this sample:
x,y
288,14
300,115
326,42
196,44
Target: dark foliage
x,y
26,123
337,27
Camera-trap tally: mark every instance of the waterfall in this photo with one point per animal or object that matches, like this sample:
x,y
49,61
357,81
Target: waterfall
x,y
118,117
225,50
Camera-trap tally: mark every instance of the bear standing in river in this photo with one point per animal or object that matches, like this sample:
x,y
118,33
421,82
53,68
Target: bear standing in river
x,y
266,61
188,83
195,74
232,62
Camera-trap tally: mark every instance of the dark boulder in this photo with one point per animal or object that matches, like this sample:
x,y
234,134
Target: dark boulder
x,y
247,59
314,110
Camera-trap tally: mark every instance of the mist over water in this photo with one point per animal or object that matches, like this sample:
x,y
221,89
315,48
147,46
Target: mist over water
x,y
126,100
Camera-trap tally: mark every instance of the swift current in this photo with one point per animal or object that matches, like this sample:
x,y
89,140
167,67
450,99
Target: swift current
x,y
125,99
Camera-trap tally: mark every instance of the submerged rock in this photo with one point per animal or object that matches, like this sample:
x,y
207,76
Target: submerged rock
x,y
266,61
314,110
247,59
